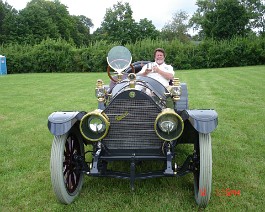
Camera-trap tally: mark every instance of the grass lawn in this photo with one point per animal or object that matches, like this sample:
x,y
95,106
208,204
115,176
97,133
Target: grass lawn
x,y
237,94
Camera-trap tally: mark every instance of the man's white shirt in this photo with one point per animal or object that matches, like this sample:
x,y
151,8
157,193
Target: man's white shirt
x,y
163,67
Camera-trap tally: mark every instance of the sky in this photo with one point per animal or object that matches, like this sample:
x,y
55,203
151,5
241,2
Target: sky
x,y
159,12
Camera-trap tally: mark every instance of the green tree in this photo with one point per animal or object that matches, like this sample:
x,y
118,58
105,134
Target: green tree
x,y
36,23
87,22
42,19
71,28
256,11
145,29
8,19
118,25
81,33
177,28
221,19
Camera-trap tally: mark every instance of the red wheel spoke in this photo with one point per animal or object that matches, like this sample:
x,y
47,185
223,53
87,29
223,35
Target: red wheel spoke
x,y
71,175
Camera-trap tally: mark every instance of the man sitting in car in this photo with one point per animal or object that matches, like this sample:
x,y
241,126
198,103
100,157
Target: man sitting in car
x,y
158,70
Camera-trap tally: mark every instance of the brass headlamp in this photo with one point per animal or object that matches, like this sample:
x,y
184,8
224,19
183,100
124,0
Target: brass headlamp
x,y
94,126
168,125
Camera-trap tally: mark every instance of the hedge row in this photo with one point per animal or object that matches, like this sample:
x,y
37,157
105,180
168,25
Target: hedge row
x,y
60,56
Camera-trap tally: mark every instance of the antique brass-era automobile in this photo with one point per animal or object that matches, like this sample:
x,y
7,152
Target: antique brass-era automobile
x,y
137,120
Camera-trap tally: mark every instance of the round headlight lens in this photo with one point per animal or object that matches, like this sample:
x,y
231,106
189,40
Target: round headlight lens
x,y
168,123
96,124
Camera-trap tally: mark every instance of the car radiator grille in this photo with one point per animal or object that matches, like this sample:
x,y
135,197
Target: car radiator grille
x,y
132,125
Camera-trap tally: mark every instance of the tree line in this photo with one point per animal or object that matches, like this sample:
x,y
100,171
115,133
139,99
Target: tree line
x,y
60,56
40,20
44,37
214,19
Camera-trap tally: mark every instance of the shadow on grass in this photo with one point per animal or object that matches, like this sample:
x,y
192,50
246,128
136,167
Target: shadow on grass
x,y
155,193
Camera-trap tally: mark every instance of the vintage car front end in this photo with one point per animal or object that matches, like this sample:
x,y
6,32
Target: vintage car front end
x,y
137,119
140,122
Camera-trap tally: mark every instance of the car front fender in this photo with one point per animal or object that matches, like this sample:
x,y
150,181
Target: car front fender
x,y
204,121
60,123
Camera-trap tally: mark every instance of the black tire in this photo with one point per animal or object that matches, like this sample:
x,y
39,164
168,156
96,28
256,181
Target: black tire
x,y
66,179
203,173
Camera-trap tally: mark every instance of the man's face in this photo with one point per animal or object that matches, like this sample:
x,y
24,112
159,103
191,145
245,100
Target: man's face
x,y
159,57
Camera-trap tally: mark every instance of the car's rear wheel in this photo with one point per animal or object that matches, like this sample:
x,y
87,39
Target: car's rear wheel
x,y
67,180
203,171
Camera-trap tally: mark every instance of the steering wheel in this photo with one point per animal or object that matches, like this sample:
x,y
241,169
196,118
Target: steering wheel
x,y
115,79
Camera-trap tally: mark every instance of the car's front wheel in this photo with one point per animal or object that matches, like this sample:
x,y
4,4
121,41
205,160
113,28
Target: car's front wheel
x,y
203,170
67,180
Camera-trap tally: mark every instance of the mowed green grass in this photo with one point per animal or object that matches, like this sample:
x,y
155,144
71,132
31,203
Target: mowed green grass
x,y
238,143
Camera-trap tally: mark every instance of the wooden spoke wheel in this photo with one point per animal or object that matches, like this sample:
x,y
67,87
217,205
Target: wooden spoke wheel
x,y
66,177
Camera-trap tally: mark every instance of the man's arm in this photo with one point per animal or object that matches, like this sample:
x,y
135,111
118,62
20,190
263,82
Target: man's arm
x,y
168,75
144,71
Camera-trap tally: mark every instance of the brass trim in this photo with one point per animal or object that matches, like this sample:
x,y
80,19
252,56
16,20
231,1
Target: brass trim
x,y
167,111
103,116
176,82
122,116
100,91
132,94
